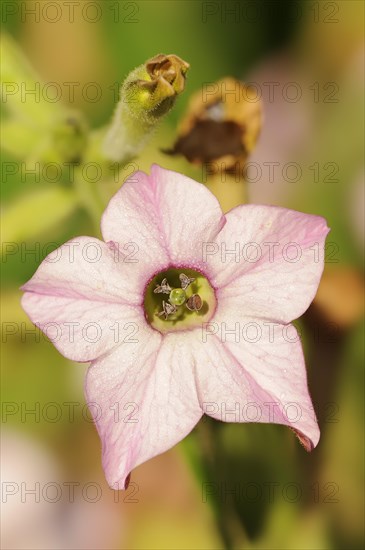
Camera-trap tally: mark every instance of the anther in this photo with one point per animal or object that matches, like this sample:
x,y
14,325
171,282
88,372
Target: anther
x,y
194,303
163,288
167,309
185,280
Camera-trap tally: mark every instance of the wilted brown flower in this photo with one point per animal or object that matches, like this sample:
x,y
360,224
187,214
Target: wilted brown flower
x,y
340,296
221,126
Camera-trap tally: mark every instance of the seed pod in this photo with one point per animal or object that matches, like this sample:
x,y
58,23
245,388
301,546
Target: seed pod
x,y
148,93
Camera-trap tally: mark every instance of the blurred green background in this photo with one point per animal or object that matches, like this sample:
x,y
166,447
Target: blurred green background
x,y
286,498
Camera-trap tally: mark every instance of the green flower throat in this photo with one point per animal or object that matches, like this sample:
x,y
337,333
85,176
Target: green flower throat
x,y
178,299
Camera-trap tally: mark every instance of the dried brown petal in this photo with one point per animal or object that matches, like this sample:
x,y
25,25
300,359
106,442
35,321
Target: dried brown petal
x,y
171,68
221,127
340,296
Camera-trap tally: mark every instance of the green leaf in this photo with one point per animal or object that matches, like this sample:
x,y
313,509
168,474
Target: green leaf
x,y
21,140
35,213
19,80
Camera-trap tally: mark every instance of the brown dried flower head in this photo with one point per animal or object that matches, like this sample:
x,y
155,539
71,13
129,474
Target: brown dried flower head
x,y
152,88
221,126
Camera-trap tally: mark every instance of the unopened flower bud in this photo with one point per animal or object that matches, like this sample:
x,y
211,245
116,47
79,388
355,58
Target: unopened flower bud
x,y
69,138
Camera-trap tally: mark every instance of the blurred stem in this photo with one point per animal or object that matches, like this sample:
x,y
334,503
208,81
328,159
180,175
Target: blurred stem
x,y
125,138
228,526
89,198
230,190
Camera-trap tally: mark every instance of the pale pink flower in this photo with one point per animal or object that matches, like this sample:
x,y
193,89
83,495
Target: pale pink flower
x,y
257,268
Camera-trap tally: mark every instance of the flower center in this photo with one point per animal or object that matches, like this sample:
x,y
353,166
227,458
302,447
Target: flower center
x,y
178,299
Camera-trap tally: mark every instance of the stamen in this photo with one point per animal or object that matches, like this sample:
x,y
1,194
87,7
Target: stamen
x,y
163,288
168,309
185,280
194,303
178,299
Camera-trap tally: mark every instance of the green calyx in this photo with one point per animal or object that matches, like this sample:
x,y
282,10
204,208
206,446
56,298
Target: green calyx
x,y
178,299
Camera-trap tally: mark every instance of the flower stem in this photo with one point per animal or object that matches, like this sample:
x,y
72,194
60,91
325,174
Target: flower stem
x,y
89,198
148,93
212,459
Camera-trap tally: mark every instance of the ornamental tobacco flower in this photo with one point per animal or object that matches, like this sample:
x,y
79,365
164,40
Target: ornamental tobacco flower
x,y
183,311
